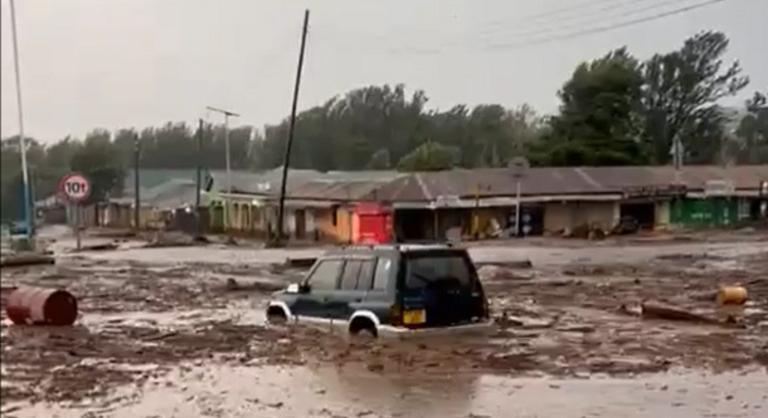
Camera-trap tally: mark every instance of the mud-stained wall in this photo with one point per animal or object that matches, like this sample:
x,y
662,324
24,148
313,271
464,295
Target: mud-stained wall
x,y
334,224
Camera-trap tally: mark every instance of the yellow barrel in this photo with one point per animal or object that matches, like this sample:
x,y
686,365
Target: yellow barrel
x,y
732,295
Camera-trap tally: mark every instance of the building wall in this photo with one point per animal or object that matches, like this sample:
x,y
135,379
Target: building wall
x,y
341,230
569,215
557,217
241,216
662,214
703,213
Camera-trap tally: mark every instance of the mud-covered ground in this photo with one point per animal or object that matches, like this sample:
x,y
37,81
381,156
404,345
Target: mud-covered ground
x,y
180,332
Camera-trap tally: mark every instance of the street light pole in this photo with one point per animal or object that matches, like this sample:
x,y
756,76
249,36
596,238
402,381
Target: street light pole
x,y
226,150
22,140
226,114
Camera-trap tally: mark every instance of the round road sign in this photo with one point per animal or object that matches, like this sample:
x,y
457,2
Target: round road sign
x,y
75,187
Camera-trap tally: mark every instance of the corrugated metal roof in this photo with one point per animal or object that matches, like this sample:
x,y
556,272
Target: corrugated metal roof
x,y
562,180
339,190
268,182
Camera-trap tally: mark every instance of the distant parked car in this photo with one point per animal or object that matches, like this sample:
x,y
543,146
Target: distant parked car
x,y
392,289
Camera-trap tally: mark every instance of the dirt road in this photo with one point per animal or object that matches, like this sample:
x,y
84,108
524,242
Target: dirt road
x,y
179,332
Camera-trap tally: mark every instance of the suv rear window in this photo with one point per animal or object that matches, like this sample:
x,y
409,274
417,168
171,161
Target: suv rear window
x,y
423,269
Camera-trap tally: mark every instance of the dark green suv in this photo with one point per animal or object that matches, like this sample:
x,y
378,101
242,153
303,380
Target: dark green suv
x,y
380,289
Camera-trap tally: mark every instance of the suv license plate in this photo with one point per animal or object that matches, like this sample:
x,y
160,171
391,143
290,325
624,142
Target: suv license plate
x,y
414,317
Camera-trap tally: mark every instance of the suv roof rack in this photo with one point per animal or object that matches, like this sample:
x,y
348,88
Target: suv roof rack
x,y
411,245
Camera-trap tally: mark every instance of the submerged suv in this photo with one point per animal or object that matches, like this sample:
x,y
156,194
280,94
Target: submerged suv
x,y
387,289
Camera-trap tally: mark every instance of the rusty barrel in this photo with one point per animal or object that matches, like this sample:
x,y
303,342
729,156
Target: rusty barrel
x,y
39,306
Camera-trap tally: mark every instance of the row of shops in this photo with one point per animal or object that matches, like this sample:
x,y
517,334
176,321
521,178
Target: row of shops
x,y
382,206
483,203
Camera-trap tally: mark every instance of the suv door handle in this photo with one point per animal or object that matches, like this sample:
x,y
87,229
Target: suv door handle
x,y
358,300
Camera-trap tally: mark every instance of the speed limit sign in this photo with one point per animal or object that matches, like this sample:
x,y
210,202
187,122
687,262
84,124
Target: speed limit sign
x,y
75,187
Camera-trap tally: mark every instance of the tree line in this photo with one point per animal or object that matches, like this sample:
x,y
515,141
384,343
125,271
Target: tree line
x,y
615,110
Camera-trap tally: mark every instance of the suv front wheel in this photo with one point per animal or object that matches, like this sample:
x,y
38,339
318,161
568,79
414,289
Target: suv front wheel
x,y
363,327
276,315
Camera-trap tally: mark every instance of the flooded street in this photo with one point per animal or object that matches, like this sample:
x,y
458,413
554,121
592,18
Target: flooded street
x,y
270,391
180,332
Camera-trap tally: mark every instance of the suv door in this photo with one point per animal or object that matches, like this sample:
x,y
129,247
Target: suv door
x,y
355,281
320,285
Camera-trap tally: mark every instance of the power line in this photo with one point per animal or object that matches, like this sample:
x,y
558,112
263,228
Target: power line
x,y
581,8
536,38
492,26
605,28
585,19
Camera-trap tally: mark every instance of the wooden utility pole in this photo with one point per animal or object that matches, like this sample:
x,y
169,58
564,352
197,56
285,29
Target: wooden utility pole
x,y
137,202
287,157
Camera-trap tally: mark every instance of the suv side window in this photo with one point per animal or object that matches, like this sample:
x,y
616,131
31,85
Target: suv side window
x,y
365,279
383,269
349,276
325,275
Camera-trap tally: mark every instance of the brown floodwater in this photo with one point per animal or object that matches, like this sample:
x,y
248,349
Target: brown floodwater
x,y
271,391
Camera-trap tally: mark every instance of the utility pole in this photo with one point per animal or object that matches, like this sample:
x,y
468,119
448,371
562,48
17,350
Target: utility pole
x,y
137,202
677,157
28,217
226,114
519,166
198,221
287,157
517,207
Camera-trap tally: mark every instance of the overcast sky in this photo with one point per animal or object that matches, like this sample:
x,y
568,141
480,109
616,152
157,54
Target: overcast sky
x,y
137,63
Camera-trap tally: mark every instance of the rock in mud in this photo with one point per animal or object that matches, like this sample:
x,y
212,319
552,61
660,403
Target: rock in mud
x,y
375,367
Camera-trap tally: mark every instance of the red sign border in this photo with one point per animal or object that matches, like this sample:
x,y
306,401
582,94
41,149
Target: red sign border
x,y
64,195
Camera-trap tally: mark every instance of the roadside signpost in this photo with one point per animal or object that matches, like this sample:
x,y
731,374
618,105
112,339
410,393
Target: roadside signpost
x,y
75,189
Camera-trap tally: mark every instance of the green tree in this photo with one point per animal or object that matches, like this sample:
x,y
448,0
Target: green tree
x,y
680,97
11,181
430,156
345,131
600,115
99,160
753,131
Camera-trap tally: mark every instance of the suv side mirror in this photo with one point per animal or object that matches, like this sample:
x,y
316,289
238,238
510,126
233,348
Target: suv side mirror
x,y
297,288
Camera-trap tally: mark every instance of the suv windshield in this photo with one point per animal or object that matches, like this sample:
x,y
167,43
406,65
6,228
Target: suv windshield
x,y
425,269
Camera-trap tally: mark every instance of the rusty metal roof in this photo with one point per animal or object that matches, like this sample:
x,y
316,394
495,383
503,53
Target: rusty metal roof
x,y
563,180
336,190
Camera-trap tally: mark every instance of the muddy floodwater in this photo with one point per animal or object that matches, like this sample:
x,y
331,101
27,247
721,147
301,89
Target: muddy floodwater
x,y
180,332
271,391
